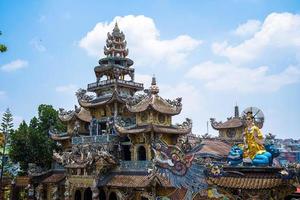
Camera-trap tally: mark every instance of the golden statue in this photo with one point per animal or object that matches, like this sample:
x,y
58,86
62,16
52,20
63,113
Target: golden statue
x,y
253,139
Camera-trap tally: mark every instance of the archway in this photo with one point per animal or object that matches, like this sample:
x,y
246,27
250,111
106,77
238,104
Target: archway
x,y
77,195
126,152
88,194
113,196
102,195
141,153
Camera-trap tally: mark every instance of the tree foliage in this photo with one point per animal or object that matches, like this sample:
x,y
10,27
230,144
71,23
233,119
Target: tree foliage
x,y
3,48
6,129
31,143
7,123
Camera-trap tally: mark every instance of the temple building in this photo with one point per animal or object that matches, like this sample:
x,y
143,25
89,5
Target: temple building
x,y
230,130
121,143
107,151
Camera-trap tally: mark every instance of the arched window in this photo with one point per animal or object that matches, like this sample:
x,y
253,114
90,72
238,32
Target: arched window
x,y
77,195
88,194
113,196
142,153
126,152
102,195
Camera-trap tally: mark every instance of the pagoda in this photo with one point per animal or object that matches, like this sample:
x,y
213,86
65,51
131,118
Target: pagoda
x,y
232,129
106,151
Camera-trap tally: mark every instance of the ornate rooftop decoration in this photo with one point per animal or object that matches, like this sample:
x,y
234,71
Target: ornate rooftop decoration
x,y
136,99
116,44
83,96
85,155
79,113
187,124
248,182
230,123
157,103
122,130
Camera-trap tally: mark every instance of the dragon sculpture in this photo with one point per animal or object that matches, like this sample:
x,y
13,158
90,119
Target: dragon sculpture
x,y
180,165
85,155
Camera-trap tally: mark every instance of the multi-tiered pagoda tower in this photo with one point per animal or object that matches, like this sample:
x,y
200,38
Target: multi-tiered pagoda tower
x,y
107,151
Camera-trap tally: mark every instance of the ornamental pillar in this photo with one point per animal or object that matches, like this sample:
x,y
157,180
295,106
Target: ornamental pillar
x,y
54,192
67,194
39,192
95,192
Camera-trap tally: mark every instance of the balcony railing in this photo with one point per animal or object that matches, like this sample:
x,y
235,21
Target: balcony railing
x,y
142,165
94,139
112,81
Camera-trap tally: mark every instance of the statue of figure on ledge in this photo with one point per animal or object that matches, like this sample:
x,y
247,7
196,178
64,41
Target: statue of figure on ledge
x,y
254,143
253,151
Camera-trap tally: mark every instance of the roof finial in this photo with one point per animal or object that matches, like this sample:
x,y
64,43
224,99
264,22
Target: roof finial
x,y
154,88
153,80
236,111
116,28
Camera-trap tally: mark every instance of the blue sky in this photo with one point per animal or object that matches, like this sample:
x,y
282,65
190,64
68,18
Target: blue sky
x,y
213,54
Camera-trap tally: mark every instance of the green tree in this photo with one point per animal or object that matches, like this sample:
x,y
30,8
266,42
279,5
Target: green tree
x,y
6,129
7,123
3,48
20,149
31,144
48,119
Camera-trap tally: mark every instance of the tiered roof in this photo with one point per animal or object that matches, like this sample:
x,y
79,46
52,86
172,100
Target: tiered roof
x,y
78,113
115,43
154,128
257,178
115,76
155,102
152,101
232,122
134,181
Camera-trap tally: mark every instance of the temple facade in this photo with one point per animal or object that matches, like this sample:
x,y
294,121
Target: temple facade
x,y
107,151
232,129
121,143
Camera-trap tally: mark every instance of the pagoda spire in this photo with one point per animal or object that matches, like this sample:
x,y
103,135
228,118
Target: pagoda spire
x,y
116,43
116,28
154,89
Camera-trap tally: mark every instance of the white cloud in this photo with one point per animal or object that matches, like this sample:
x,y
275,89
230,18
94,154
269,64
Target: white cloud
x,y
144,42
253,64
192,101
248,28
191,97
278,31
14,65
67,89
226,76
37,45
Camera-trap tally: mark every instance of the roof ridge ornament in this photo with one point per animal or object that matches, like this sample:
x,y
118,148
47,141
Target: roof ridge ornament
x,y
154,89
